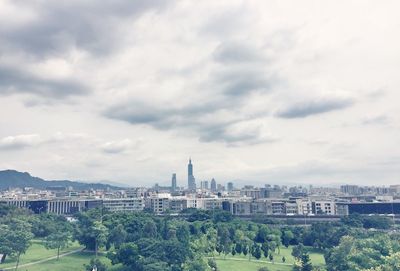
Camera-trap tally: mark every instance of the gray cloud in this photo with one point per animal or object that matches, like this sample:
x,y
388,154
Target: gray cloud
x,y
243,82
191,120
244,136
13,80
238,71
57,30
242,69
314,107
380,119
59,27
239,53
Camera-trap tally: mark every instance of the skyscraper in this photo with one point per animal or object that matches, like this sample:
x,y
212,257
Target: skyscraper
x,y
230,186
204,185
173,182
213,185
191,179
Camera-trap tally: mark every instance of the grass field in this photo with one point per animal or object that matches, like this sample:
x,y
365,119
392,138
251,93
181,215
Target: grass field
x,y
241,263
37,252
235,265
73,262
77,260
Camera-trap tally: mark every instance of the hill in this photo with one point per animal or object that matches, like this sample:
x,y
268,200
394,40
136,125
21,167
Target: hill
x,y
16,179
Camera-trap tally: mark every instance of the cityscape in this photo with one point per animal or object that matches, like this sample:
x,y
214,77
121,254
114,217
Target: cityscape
x,y
228,135
269,200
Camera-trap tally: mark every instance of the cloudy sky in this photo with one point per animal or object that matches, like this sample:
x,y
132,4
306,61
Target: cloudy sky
x,y
254,91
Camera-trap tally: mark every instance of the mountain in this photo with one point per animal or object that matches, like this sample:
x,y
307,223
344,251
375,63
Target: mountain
x,y
15,179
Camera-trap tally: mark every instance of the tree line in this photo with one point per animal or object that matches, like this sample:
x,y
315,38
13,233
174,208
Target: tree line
x,y
146,242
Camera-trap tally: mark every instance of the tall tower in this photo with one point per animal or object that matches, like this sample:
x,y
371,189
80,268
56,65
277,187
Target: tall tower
x,y
213,185
191,179
173,182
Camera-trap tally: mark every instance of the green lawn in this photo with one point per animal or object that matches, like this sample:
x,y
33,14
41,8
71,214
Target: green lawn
x,y
37,252
241,262
234,265
73,262
77,260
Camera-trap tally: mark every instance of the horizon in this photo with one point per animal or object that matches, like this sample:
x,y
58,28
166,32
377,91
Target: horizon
x,y
262,91
237,183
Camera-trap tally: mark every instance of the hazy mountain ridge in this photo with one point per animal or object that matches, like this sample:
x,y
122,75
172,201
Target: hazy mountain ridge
x,y
15,179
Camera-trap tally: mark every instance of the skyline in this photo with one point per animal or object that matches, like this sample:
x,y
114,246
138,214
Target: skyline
x,y
260,92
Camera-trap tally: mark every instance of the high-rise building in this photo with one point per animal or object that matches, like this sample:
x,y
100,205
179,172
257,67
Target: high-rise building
x,y
191,179
230,186
173,182
213,185
204,185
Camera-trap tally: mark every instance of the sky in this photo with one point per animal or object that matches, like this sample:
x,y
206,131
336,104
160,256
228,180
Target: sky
x,y
255,92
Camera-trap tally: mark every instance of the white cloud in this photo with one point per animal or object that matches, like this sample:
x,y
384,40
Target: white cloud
x,y
117,146
19,142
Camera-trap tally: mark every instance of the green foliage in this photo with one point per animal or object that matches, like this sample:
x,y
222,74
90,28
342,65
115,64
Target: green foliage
x,y
324,235
287,237
58,240
298,251
256,251
367,222
100,266
128,255
15,238
354,254
83,228
377,222
212,264
117,236
99,233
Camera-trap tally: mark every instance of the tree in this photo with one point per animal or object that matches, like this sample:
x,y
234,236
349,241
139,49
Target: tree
x,y
262,234
174,252
283,259
263,269
100,233
271,257
100,266
212,264
21,240
150,229
57,240
377,222
15,240
306,263
83,229
245,249
117,236
287,237
197,264
183,233
272,246
238,248
233,251
224,240
256,251
128,255
265,249
5,246
297,251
